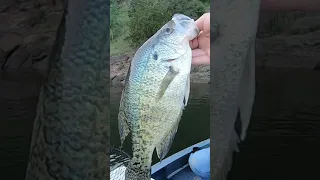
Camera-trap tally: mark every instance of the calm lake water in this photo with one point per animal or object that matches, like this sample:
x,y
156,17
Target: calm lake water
x,y
283,139
193,127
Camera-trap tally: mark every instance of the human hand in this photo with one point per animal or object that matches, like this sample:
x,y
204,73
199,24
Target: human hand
x,y
201,44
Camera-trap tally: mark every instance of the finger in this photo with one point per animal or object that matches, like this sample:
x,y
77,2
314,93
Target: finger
x,y
194,43
203,23
199,22
198,52
201,60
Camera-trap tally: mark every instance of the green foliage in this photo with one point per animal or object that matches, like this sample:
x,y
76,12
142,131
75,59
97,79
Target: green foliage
x,y
132,22
119,29
118,20
205,1
148,16
192,8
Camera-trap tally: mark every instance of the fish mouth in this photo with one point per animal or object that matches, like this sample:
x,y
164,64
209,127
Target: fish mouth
x,y
196,31
181,17
186,25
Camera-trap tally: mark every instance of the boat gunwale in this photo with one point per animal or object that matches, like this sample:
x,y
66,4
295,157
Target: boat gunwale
x,y
175,157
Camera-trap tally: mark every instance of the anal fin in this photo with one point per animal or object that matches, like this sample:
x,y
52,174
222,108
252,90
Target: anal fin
x,y
165,144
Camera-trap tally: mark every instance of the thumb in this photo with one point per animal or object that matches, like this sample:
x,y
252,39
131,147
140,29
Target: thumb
x,y
200,57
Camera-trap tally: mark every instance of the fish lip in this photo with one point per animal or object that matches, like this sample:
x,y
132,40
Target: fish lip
x,y
193,33
178,18
191,29
197,30
181,17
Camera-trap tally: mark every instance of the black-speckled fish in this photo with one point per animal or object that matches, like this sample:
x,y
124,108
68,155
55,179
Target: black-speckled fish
x,y
156,92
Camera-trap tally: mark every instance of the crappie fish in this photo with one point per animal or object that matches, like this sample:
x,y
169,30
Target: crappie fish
x,y
156,91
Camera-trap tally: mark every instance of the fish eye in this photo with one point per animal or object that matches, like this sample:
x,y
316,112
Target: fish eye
x,y
168,30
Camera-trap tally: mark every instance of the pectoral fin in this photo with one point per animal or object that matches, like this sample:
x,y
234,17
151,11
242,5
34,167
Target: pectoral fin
x,y
171,74
165,144
187,92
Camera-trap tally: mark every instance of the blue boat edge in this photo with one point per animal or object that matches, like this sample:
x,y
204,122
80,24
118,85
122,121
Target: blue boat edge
x,y
169,166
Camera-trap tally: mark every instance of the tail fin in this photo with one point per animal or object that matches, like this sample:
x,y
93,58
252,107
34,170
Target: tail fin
x,y
136,173
118,158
